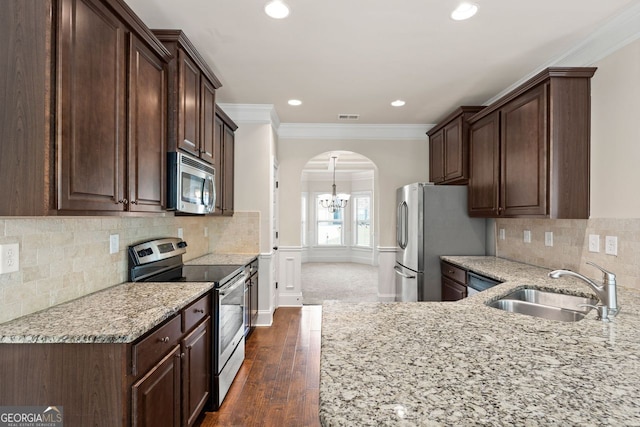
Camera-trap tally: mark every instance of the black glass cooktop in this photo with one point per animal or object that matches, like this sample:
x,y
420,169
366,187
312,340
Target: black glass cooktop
x,y
219,274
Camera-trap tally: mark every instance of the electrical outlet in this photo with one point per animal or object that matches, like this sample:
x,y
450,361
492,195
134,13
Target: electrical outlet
x,y
548,238
594,243
9,258
502,234
527,236
180,233
611,245
114,243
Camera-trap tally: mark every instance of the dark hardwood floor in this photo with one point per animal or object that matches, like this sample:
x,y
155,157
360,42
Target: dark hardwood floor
x,y
279,381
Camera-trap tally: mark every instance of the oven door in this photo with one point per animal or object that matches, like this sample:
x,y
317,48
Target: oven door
x,y
230,327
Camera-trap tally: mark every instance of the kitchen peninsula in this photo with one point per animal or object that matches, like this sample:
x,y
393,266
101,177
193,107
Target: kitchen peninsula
x,y
464,363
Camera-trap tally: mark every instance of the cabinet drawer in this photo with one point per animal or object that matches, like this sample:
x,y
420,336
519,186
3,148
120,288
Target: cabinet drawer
x,y
451,271
193,314
152,348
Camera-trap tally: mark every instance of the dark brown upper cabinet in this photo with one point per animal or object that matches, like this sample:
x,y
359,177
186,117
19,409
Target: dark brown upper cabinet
x,y
191,98
95,140
449,148
224,137
528,159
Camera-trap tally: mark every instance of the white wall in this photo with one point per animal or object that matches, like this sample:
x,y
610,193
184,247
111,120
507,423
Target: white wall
x,y
615,135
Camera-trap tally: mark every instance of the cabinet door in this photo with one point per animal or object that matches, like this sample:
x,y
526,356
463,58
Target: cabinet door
x,y
454,155
524,154
217,161
91,107
147,129
436,157
189,105
196,377
156,396
228,170
208,122
452,291
484,167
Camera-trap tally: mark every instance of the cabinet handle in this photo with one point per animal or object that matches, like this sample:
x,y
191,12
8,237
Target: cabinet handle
x,y
451,271
179,356
165,339
123,201
199,310
134,202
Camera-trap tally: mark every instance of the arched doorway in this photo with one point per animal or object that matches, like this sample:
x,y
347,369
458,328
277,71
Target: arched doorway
x,y
339,257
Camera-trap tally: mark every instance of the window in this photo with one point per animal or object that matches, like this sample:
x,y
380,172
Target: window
x,y
361,206
329,226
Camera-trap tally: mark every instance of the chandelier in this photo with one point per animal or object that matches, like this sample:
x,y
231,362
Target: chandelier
x,y
334,201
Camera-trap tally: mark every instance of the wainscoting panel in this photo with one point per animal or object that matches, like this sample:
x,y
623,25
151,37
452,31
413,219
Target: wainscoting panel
x,y
386,276
289,284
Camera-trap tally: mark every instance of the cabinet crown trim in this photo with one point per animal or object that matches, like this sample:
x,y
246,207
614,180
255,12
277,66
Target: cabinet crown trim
x,y
541,77
179,37
465,109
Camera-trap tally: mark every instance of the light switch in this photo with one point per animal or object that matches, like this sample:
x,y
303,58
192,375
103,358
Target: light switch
x,y
9,258
548,238
502,234
206,232
611,245
180,233
527,236
594,243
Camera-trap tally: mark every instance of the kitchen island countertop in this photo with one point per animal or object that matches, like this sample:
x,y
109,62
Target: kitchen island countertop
x,y
464,363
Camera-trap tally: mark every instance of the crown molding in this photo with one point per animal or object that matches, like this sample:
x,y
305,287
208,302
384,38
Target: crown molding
x,y
613,35
352,131
252,113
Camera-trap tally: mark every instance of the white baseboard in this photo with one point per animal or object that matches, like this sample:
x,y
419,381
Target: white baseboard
x,y
291,300
386,297
265,318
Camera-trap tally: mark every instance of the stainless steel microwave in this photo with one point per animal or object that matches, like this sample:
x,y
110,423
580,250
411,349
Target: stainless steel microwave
x,y
191,184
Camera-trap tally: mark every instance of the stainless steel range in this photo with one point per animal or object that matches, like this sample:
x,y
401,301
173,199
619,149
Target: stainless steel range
x,y
160,260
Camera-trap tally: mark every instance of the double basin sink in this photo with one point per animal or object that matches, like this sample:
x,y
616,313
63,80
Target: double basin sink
x,y
548,305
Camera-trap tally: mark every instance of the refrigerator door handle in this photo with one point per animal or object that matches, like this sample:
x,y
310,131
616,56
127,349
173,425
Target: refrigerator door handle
x,y
402,229
400,273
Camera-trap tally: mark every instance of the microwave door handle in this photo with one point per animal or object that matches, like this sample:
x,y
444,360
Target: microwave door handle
x,y
212,194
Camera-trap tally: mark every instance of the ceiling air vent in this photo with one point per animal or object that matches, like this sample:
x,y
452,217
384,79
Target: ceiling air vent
x,y
348,116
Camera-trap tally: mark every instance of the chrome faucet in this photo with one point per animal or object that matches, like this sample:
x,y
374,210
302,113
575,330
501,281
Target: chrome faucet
x,y
607,293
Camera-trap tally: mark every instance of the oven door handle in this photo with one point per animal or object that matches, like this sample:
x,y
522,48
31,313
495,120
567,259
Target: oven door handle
x,y
226,289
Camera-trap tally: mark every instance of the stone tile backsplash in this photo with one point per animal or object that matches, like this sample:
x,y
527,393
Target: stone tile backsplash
x,y
570,248
64,258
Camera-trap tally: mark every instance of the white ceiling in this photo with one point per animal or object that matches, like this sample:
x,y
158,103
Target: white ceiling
x,y
356,56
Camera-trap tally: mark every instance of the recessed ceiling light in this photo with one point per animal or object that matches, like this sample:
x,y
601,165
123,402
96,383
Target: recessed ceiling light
x,y
294,102
398,103
464,11
277,9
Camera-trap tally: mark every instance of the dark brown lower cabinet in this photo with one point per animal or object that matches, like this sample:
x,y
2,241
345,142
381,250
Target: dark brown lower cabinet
x,y
156,396
196,377
454,282
452,291
162,379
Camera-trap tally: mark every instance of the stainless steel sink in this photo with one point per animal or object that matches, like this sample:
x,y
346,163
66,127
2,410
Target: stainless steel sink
x,y
548,305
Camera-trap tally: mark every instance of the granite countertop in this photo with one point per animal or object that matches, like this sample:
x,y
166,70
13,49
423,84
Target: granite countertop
x,y
464,363
223,259
119,314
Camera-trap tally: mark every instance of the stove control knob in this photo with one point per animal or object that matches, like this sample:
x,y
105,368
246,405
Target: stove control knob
x,y
142,253
182,244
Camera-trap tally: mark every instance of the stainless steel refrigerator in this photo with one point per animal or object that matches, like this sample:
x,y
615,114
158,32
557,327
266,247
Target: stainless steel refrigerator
x,y
431,221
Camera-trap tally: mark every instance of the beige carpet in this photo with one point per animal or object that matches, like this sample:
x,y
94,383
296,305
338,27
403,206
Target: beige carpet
x,y
338,281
